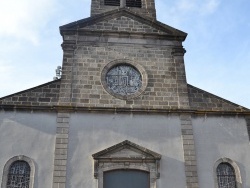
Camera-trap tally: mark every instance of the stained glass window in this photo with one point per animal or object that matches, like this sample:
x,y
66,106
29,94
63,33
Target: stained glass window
x,y
226,176
19,175
124,80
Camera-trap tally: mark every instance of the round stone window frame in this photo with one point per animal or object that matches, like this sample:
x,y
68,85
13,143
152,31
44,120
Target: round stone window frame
x,y
136,66
15,159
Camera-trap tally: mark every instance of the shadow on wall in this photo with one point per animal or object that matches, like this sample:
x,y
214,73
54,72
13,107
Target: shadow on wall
x,y
243,175
94,132
217,138
41,121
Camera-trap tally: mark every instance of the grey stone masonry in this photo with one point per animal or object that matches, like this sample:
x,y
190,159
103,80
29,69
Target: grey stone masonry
x,y
202,100
83,63
43,95
61,150
189,151
91,45
147,9
123,23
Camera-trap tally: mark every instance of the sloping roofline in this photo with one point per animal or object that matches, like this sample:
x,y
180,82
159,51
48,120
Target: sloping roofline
x,y
125,12
126,143
217,97
30,89
237,106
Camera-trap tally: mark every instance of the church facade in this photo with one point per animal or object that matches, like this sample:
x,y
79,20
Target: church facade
x,y
122,114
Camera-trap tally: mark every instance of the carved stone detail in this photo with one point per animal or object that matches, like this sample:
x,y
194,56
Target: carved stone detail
x,y
124,79
127,155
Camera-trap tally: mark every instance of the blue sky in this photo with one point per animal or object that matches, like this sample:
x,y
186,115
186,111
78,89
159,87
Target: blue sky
x,y
218,42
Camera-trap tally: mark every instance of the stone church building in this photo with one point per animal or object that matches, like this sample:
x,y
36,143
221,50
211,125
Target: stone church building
x,y
122,115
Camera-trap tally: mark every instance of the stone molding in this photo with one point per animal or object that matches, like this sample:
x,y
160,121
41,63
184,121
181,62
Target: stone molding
x,y
68,108
137,66
236,171
73,27
178,51
11,161
127,155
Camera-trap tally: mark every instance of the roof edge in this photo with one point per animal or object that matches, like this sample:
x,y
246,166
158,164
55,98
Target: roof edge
x,y
216,96
120,10
69,108
30,89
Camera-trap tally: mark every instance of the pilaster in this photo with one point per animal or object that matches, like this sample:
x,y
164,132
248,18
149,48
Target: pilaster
x,y
61,150
189,151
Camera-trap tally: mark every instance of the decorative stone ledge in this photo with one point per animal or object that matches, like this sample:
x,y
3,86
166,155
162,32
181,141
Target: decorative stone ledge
x,y
68,108
127,155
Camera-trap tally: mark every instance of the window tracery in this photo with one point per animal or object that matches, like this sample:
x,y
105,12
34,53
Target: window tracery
x,y
226,176
18,173
124,79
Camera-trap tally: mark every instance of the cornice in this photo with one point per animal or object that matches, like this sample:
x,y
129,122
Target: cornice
x,y
64,108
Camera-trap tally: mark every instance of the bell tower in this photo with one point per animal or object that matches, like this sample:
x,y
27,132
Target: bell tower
x,y
122,57
145,8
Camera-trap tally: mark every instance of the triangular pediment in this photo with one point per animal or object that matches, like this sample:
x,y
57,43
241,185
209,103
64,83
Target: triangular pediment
x,y
125,23
126,149
123,20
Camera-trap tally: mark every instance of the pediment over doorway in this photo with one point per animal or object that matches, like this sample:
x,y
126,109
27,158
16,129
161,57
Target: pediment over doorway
x,y
127,149
127,155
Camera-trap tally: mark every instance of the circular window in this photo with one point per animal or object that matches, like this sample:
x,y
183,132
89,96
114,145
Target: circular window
x,y
124,80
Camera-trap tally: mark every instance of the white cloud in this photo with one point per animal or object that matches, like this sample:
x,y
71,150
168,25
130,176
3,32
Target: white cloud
x,y
5,68
209,7
202,7
5,71
24,19
186,5
180,12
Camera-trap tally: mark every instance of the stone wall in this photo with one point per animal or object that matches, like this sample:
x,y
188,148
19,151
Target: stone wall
x,y
83,64
30,134
217,138
148,8
202,100
92,132
123,23
43,95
